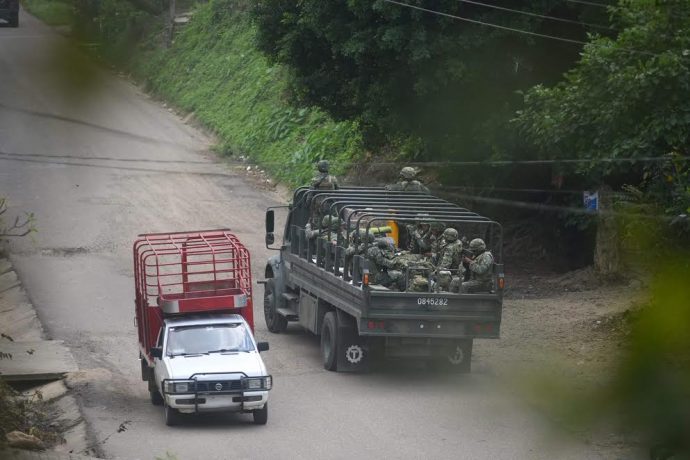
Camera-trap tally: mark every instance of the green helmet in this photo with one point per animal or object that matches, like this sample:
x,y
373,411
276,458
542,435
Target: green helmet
x,y
450,234
477,246
408,173
322,166
437,226
382,243
330,221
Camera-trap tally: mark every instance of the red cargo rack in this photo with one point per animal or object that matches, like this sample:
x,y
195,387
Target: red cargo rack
x,y
189,272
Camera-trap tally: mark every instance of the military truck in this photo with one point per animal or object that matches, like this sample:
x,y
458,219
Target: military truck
x,y
9,11
311,282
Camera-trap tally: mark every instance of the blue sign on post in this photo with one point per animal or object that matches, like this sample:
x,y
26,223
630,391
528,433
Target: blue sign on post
x,y
590,200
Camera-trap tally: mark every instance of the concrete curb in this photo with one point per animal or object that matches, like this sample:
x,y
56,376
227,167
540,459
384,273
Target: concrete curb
x,y
19,321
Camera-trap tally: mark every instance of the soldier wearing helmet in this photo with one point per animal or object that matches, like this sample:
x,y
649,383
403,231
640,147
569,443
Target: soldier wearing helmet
x,y
383,265
480,267
450,255
408,182
419,242
436,229
323,180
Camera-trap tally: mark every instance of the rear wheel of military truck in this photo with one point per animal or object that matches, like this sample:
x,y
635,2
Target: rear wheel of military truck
x,y
457,358
329,341
272,301
14,19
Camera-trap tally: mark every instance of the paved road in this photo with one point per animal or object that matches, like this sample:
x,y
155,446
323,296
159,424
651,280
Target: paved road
x,y
100,166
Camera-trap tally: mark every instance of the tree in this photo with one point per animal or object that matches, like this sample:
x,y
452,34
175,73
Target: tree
x,y
627,98
401,71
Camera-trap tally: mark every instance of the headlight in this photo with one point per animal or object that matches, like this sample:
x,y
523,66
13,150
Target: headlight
x,y
258,383
171,386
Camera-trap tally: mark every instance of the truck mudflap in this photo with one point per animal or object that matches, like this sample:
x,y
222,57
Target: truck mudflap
x,y
353,354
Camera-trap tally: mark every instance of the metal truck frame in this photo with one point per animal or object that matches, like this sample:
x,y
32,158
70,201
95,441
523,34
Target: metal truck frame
x,y
357,320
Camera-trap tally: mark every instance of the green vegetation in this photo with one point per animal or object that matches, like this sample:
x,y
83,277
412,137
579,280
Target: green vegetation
x,y
628,97
214,70
53,12
403,72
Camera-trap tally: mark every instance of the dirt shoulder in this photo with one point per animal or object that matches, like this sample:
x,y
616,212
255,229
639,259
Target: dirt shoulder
x,y
562,336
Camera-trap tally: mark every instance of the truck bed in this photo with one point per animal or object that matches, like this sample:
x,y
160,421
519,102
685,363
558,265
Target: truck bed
x,y
419,314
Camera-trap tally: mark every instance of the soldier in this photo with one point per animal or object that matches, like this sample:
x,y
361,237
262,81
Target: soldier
x,y
450,256
356,248
383,264
436,229
480,267
419,237
408,182
324,181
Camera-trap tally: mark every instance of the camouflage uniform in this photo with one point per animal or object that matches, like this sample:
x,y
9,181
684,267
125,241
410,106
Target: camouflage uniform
x,y
324,181
450,256
408,182
418,283
357,249
420,242
383,264
435,240
481,269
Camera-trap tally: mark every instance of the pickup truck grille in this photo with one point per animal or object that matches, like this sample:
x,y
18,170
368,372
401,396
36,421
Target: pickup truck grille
x,y
218,386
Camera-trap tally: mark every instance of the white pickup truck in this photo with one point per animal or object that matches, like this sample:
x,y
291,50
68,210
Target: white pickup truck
x,y
210,364
194,319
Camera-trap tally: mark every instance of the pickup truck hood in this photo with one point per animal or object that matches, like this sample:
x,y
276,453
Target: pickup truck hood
x,y
183,367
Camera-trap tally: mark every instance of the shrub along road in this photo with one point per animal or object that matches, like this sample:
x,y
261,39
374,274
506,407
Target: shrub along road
x,y
98,163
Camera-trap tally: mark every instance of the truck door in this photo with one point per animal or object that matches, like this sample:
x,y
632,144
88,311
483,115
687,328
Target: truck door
x,y
158,367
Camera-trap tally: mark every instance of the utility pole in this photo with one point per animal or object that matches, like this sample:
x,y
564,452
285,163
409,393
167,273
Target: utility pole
x,y
171,24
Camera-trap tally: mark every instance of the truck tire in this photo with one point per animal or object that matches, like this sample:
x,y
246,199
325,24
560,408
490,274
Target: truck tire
x,y
172,416
261,415
156,398
274,321
329,342
459,357
14,19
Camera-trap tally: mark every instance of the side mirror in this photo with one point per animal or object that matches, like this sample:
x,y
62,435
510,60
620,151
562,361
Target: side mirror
x,y
157,352
262,346
270,239
270,221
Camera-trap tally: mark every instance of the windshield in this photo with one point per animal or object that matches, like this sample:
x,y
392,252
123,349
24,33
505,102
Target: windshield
x,y
213,338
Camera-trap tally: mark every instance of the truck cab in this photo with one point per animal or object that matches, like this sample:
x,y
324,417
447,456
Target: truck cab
x,y
9,11
193,305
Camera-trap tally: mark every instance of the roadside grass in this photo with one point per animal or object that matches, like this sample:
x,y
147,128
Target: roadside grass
x,y
52,12
214,70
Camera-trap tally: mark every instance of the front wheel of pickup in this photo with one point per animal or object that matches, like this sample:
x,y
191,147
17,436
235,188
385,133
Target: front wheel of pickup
x,y
261,415
156,398
172,416
329,341
274,321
